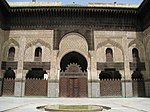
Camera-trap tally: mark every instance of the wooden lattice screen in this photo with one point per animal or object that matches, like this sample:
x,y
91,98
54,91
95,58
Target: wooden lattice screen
x,y
138,87
110,88
35,87
8,87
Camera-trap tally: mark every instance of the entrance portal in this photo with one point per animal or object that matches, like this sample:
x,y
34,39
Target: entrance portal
x,y
73,76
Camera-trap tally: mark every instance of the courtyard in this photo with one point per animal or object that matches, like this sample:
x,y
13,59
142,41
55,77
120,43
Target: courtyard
x,y
29,104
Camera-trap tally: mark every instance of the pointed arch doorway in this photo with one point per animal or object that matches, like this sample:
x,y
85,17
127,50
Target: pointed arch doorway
x,y
73,76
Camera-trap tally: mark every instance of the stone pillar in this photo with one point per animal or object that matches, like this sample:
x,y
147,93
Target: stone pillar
x,y
1,79
147,65
94,83
53,89
19,81
1,83
147,78
127,90
1,41
53,81
147,88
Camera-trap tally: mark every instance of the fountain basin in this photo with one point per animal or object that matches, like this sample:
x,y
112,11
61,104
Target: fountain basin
x,y
73,108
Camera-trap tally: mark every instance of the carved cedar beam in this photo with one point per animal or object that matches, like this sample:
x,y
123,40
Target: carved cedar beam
x,y
83,17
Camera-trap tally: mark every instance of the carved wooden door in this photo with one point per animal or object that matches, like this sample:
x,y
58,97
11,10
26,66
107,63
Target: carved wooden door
x,y
73,87
73,82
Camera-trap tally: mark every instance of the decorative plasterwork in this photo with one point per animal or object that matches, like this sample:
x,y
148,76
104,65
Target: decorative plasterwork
x,y
38,41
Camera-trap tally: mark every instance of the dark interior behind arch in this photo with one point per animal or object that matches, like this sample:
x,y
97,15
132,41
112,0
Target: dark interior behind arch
x,y
73,57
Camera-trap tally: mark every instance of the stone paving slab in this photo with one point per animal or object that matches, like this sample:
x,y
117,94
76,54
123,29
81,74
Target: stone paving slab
x,y
23,104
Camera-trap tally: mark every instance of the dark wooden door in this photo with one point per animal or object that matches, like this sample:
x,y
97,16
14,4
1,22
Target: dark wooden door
x,y
73,82
73,87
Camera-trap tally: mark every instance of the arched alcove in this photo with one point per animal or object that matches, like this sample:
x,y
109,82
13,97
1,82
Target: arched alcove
x,y
11,54
109,55
38,54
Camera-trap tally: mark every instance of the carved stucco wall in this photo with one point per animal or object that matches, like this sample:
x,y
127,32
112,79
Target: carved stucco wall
x,y
135,43
45,45
1,41
78,43
109,39
12,42
115,40
146,40
33,39
122,44
73,42
116,48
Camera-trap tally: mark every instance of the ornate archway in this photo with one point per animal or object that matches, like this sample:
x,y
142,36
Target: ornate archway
x,y
73,76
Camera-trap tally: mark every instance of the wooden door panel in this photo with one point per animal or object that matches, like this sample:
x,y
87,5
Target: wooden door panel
x,y
73,87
